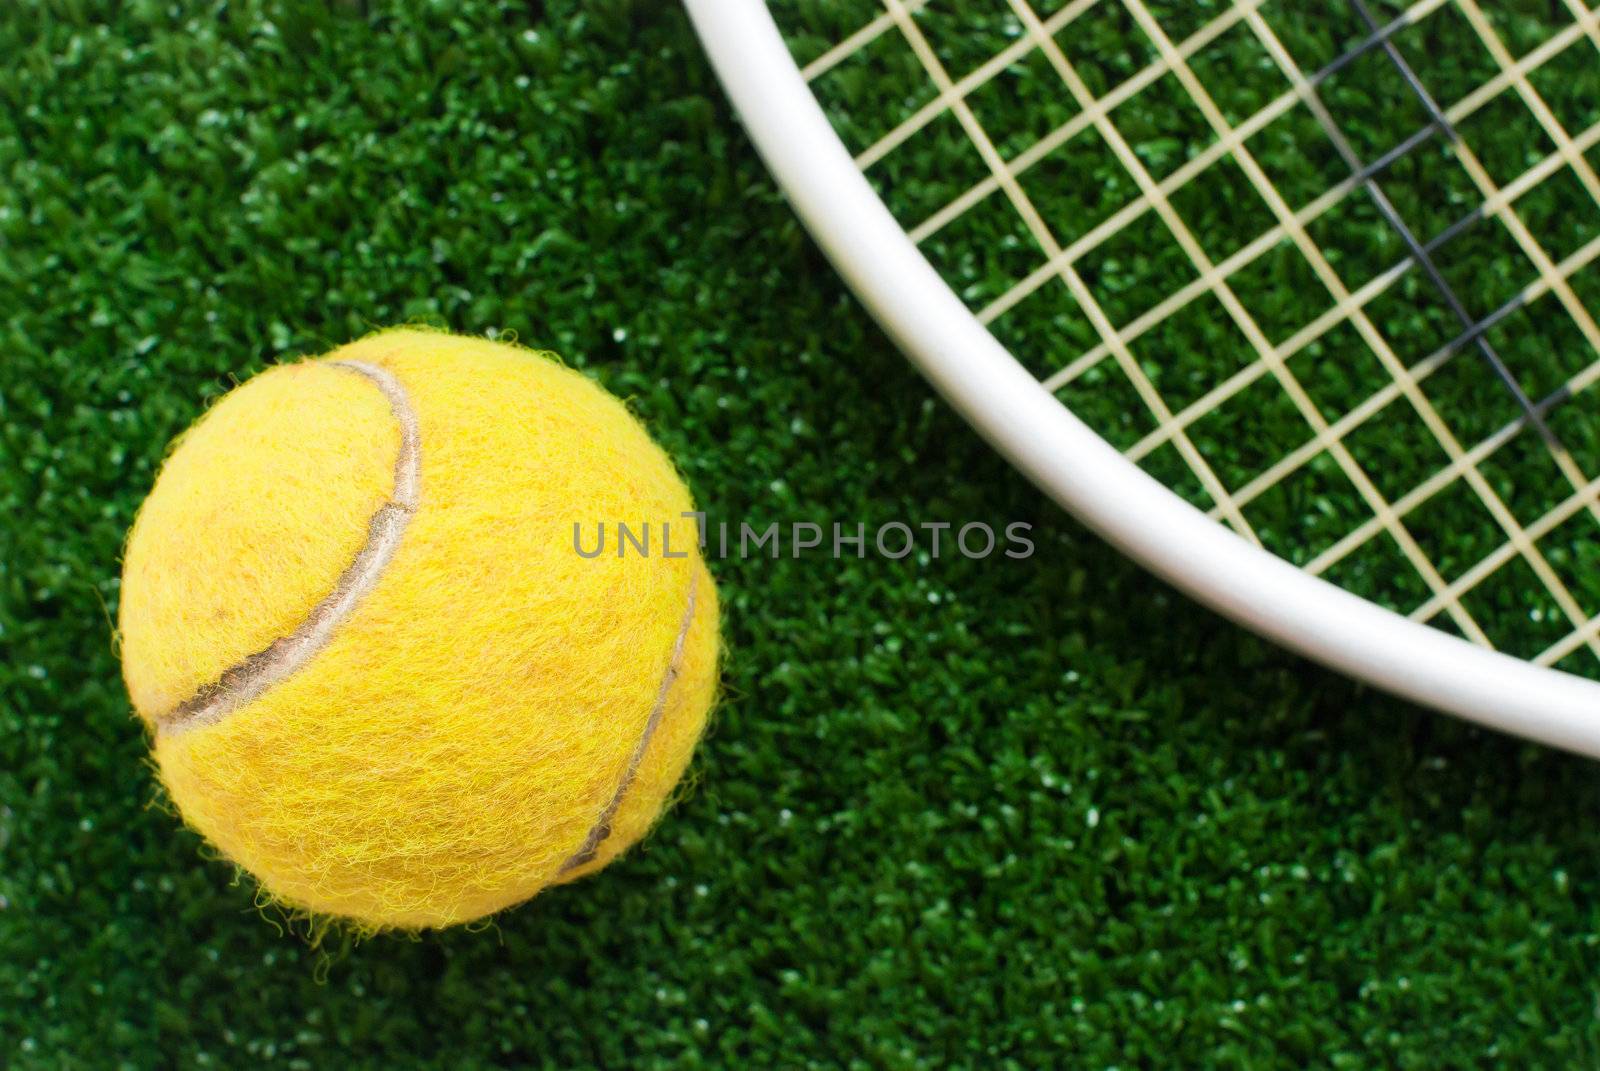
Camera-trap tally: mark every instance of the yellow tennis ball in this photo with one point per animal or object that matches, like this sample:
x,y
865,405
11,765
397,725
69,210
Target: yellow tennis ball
x,y
379,674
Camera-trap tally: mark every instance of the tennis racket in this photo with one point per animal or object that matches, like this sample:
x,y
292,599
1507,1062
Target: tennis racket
x,y
1293,303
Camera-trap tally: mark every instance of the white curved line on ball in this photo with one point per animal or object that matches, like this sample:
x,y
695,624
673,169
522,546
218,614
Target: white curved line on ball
x,y
247,680
602,827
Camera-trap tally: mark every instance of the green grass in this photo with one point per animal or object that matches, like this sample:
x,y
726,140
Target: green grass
x,y
952,813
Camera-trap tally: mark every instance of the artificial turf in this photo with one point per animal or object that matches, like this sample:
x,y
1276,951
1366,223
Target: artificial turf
x,y
951,813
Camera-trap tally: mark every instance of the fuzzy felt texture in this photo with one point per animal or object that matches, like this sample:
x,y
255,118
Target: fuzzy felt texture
x,y
465,728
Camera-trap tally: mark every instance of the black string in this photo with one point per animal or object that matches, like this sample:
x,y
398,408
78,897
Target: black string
x,y
1475,332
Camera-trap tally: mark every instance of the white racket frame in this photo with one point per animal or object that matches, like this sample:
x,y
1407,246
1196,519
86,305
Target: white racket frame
x,y
1072,464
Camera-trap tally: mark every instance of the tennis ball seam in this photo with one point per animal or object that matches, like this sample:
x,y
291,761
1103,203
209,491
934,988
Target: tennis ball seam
x,y
253,675
602,828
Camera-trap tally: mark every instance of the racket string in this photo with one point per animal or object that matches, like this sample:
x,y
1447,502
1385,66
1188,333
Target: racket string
x,y
1461,463
1554,277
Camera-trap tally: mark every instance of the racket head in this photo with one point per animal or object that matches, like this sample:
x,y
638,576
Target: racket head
x,y
1020,409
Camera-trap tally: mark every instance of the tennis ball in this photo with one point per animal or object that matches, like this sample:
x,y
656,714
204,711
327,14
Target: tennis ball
x,y
378,673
